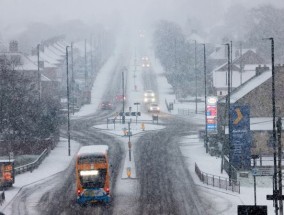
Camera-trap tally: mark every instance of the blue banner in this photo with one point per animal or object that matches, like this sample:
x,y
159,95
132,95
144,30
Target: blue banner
x,y
240,136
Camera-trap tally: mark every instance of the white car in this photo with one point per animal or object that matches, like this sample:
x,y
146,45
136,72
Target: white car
x,y
154,108
149,96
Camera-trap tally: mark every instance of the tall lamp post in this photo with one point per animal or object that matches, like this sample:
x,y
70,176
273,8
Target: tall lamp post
x,y
205,97
228,108
68,113
273,123
195,76
39,74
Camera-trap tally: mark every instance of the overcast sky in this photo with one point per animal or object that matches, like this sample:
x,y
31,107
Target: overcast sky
x,y
19,12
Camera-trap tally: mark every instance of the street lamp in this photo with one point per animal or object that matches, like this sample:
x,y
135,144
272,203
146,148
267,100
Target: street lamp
x,y
195,76
39,74
273,120
228,108
205,97
68,114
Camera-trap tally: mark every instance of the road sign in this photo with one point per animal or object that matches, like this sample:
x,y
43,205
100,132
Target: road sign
x,y
252,209
254,171
135,113
130,114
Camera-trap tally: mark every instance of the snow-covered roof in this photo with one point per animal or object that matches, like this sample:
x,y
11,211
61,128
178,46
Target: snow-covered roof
x,y
248,86
93,149
25,63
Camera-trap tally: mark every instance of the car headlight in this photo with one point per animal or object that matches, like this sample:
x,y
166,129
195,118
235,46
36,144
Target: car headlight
x,y
145,94
153,99
158,108
151,108
148,65
145,100
152,94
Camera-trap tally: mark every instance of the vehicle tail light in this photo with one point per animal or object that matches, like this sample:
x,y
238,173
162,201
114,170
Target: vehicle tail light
x,y
78,192
107,190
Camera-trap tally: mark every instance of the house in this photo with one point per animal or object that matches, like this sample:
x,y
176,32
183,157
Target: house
x,y
242,69
257,94
23,91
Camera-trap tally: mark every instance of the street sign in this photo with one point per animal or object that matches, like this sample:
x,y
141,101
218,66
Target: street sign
x,y
254,171
135,113
130,114
252,209
240,136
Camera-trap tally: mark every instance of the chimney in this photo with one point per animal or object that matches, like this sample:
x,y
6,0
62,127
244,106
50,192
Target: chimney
x,y
13,46
259,70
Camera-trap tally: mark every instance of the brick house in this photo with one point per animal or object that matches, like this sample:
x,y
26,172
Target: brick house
x,y
257,93
243,69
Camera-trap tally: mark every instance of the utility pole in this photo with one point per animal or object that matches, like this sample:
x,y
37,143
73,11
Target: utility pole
x,y
205,97
68,112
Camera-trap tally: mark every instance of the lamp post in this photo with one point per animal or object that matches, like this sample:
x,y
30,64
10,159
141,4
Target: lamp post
x,y
123,102
205,97
195,76
39,74
68,114
273,122
228,108
72,80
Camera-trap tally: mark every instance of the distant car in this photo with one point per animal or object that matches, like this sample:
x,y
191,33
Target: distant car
x,y
154,108
145,62
119,98
149,96
106,105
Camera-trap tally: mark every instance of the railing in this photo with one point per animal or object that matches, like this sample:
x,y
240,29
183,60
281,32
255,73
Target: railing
x,y
234,172
133,121
217,181
31,166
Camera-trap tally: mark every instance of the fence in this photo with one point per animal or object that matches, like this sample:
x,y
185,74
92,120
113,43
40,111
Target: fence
x,y
33,165
217,181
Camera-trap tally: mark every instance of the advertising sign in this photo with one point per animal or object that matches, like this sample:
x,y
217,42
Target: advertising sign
x,y
211,114
240,136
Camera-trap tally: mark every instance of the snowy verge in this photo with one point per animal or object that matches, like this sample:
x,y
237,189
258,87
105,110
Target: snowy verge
x,y
57,161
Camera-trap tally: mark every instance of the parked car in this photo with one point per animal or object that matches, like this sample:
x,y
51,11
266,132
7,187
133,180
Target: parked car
x,y
154,108
106,105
